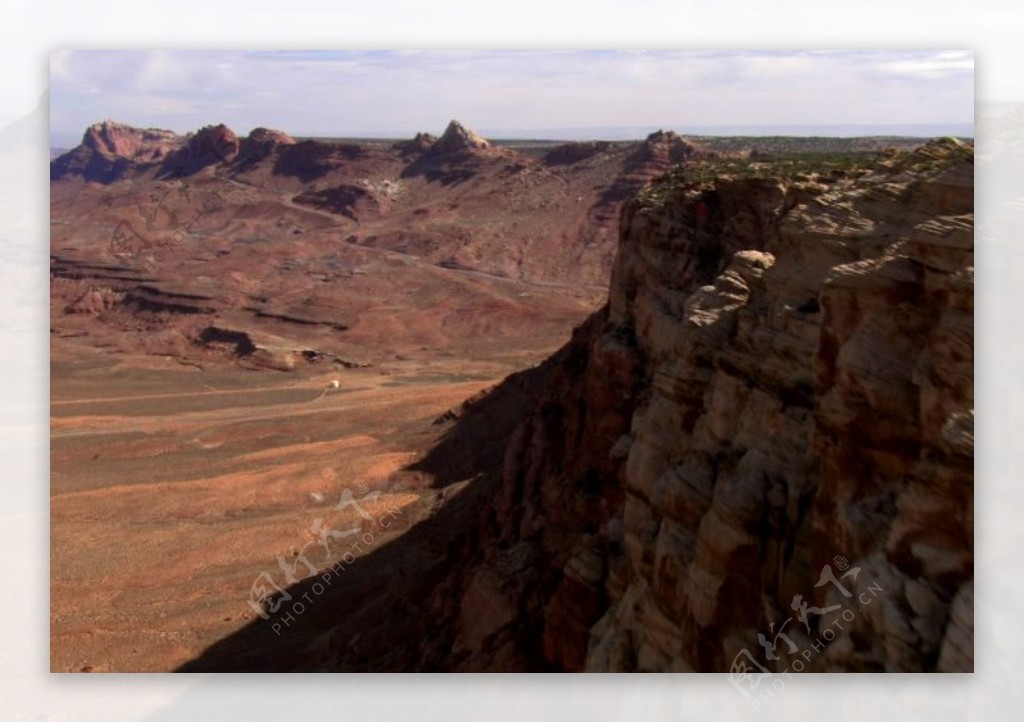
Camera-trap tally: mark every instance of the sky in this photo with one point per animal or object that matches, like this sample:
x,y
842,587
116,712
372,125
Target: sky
x,y
513,93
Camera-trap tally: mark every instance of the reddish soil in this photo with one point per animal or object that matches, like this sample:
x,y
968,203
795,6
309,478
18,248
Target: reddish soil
x,y
202,304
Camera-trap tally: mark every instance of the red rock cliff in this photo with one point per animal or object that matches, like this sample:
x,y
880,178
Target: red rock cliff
x,y
781,384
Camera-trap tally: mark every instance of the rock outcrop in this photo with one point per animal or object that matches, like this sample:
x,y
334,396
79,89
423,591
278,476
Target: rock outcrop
x,y
454,158
662,150
136,144
659,152
418,145
456,138
759,453
354,202
109,150
261,141
208,146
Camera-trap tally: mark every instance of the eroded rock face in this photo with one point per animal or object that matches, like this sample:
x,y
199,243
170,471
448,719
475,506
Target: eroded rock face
x,y
117,139
663,149
659,152
781,384
109,149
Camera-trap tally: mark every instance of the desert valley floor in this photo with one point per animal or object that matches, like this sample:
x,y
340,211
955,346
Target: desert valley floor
x,y
204,479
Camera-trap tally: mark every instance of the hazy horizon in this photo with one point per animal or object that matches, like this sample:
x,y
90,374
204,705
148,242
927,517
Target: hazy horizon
x,y
960,130
556,95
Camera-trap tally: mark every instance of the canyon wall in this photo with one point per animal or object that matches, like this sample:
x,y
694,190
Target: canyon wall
x,y
760,451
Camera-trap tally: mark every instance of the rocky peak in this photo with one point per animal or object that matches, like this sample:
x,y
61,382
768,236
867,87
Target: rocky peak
x,y
109,149
111,138
457,137
662,149
217,141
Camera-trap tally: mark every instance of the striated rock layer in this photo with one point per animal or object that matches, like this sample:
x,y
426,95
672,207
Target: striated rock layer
x,y
768,431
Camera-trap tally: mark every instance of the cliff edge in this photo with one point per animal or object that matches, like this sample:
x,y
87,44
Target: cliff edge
x,y
759,453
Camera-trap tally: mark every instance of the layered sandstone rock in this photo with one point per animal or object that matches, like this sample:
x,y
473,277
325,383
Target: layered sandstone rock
x,y
141,144
773,416
659,152
110,150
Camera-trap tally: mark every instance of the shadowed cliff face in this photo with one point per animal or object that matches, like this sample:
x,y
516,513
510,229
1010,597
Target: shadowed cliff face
x,y
768,429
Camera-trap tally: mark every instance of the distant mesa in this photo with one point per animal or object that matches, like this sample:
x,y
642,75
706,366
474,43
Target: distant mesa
x,y
145,145
111,138
110,149
457,138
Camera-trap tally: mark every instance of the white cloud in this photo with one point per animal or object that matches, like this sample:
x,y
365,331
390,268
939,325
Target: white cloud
x,y
937,65
401,92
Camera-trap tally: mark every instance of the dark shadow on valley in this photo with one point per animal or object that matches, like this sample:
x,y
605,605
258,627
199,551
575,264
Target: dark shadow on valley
x,y
375,616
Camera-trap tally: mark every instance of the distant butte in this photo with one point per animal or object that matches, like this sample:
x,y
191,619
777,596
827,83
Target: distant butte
x,y
109,150
118,139
662,149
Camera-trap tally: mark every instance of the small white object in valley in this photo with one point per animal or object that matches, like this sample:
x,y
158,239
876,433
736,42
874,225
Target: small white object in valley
x,y
335,384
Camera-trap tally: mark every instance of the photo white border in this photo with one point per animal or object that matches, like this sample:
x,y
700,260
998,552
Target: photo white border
x,y
33,29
